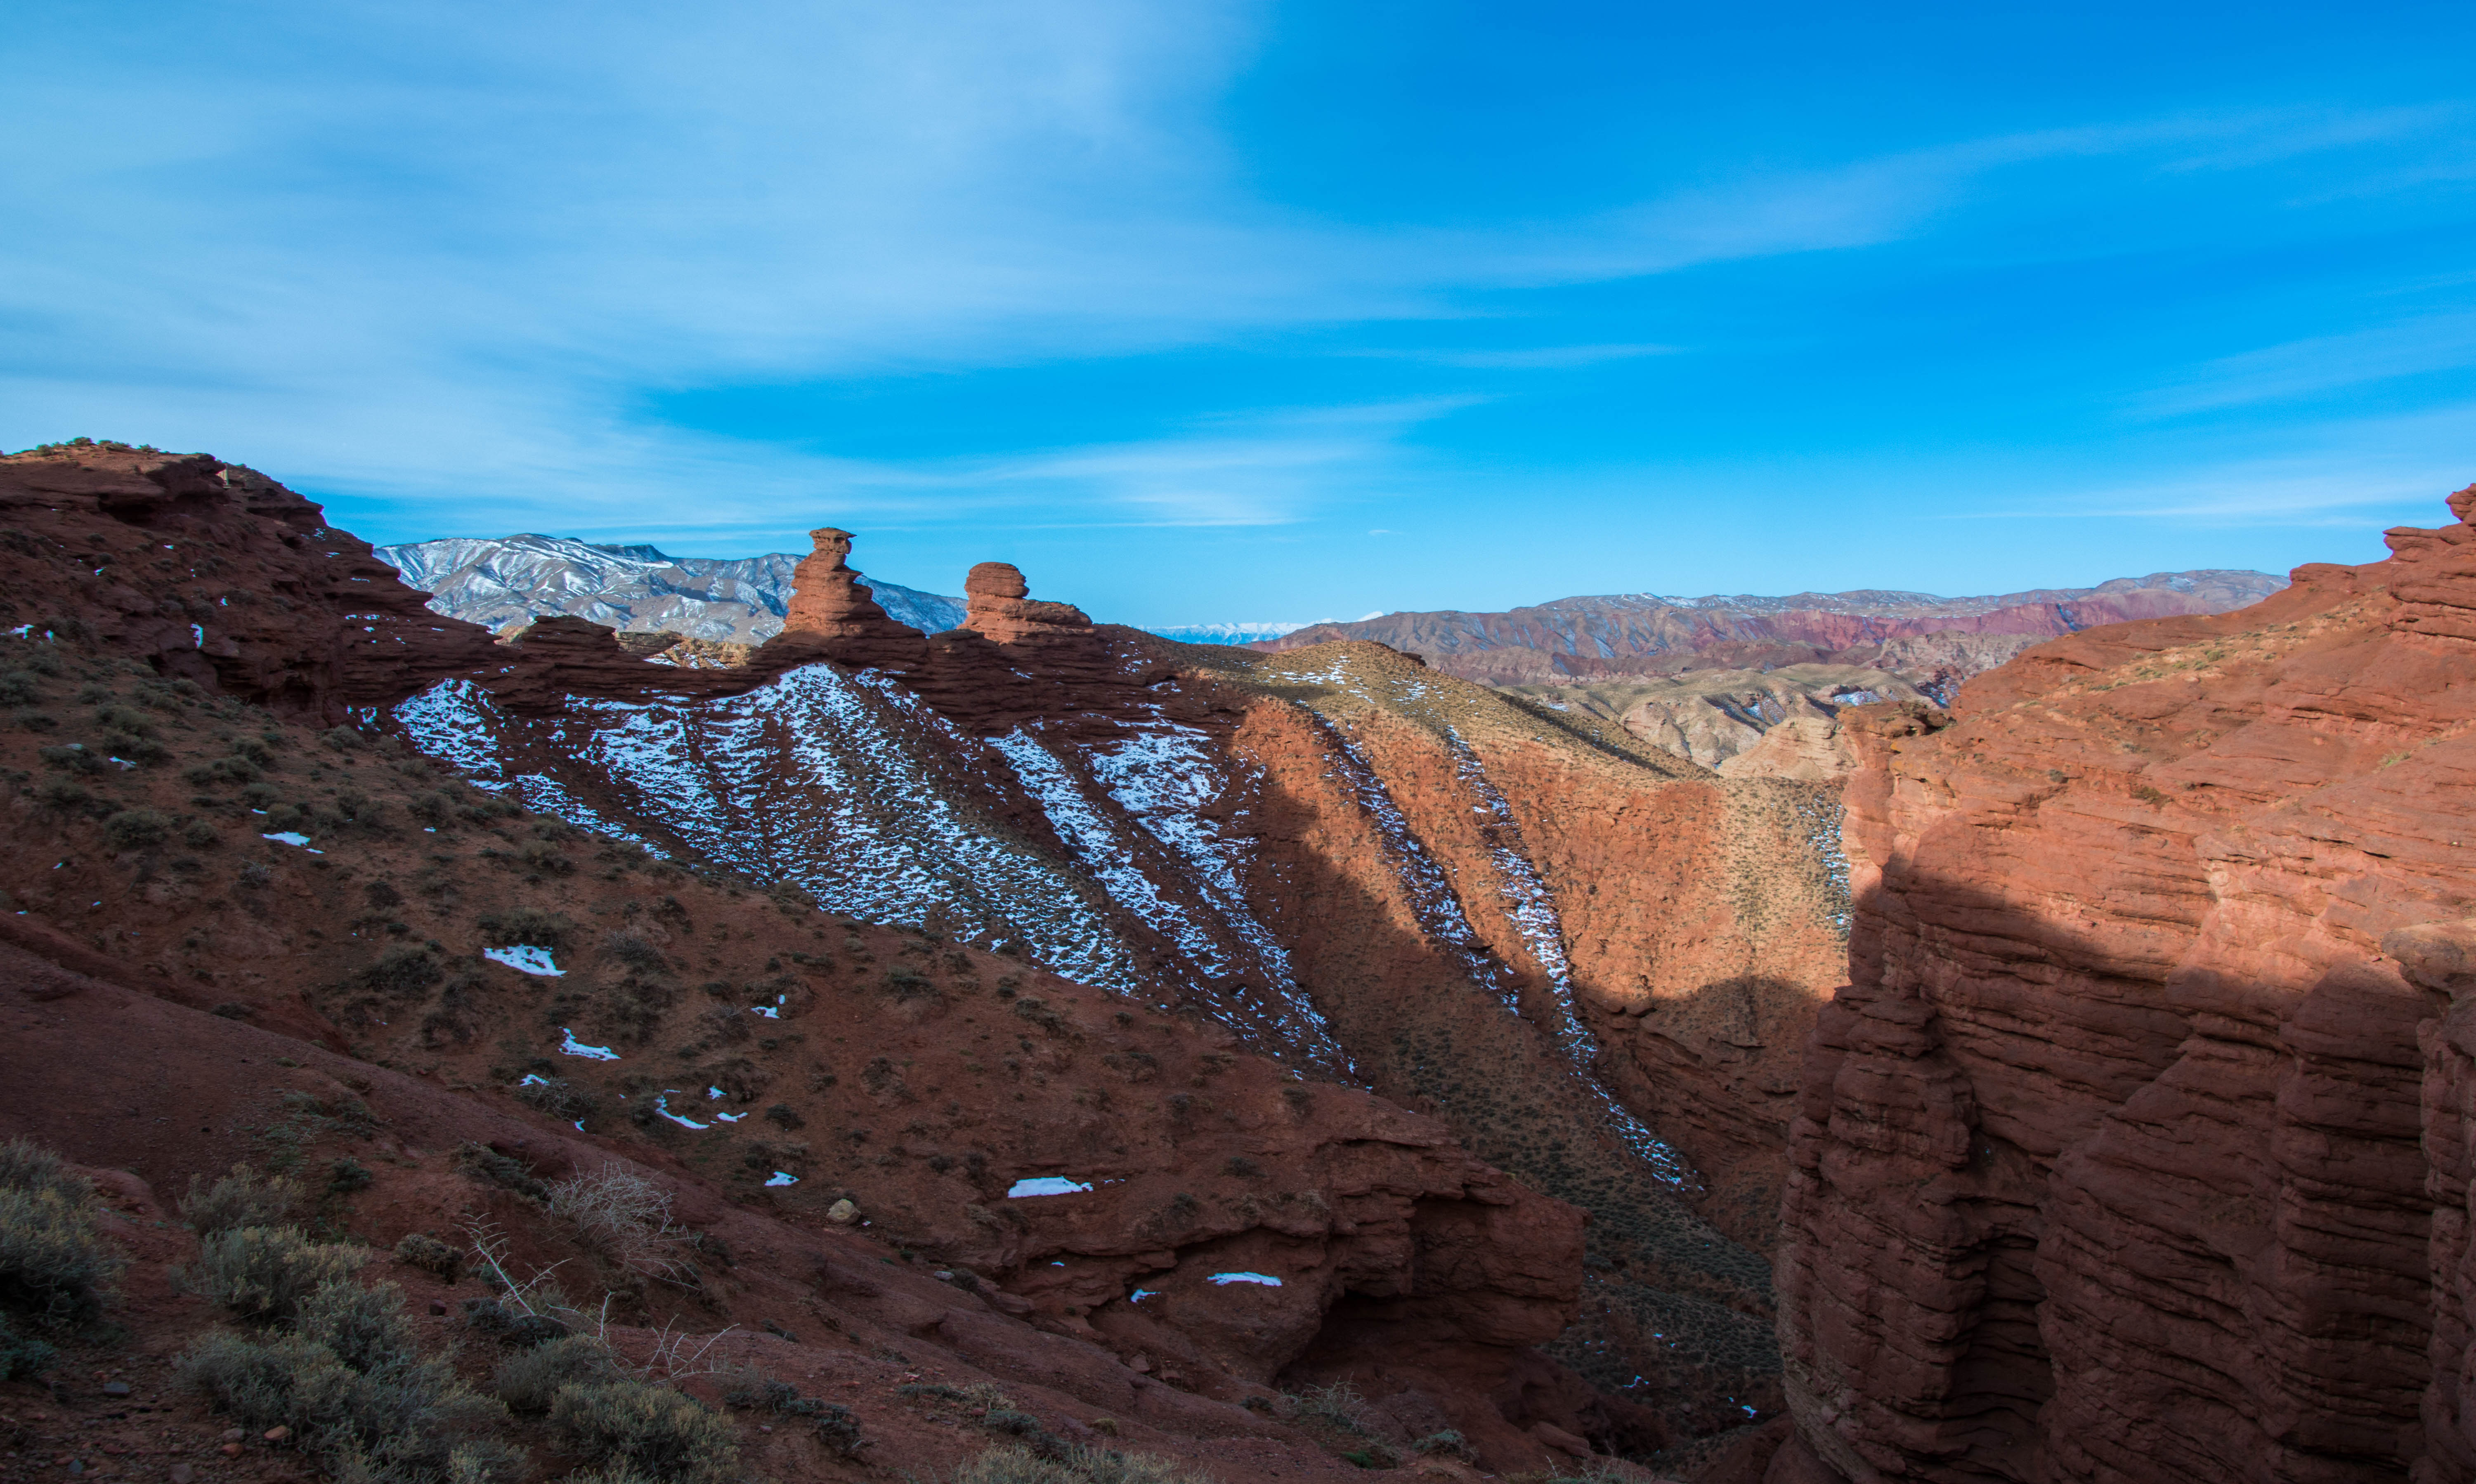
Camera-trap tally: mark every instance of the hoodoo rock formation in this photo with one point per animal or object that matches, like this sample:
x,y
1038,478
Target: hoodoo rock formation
x,y
831,615
1002,611
2138,1146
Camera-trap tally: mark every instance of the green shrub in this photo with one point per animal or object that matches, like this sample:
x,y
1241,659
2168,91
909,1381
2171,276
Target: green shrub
x,y
429,1255
356,1391
649,1428
347,1175
22,1355
484,1163
400,974
529,1380
541,929
201,835
558,1098
243,1198
547,859
1010,1464
28,1166
833,1426
62,794
267,1273
634,952
1448,1443
509,1327
75,756
132,829
54,1266
365,1327
121,718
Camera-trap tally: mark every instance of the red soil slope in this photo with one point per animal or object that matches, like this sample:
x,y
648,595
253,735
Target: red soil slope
x,y
1453,877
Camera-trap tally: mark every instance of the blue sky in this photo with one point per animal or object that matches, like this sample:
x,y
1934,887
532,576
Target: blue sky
x,y
1278,312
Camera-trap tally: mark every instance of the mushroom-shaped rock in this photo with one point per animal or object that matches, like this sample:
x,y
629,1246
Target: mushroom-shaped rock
x,y
996,579
1001,612
832,615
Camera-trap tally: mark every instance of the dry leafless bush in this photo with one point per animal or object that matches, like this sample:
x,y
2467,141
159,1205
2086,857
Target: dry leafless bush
x,y
626,1217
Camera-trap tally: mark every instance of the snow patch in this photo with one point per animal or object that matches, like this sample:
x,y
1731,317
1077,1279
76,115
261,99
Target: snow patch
x,y
1224,1279
1045,1185
572,1046
525,958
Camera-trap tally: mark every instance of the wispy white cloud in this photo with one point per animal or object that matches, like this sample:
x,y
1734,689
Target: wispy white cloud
x,y
1263,470
2322,363
1545,358
443,253
2342,474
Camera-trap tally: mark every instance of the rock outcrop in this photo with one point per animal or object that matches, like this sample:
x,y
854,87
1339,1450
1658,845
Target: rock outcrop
x,y
831,616
2137,1147
213,573
1003,611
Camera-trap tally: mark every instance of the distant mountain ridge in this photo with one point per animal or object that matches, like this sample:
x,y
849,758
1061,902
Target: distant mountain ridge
x,y
1573,640
510,581
1222,633
505,581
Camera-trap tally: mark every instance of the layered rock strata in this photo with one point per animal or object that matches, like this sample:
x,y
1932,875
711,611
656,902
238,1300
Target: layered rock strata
x,y
1003,611
2136,1147
213,573
831,616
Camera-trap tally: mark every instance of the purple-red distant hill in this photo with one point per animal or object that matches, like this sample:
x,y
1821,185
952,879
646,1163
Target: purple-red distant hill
x,y
1935,639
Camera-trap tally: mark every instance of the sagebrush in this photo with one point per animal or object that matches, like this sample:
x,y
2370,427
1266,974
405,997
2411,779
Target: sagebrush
x,y
267,1273
244,1198
55,1265
529,1380
648,1428
348,1378
1009,1463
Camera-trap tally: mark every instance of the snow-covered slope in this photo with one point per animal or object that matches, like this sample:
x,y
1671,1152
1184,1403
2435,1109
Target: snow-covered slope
x,y
1222,633
498,582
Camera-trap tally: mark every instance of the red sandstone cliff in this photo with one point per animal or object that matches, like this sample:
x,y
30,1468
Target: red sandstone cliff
x,y
2137,1147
